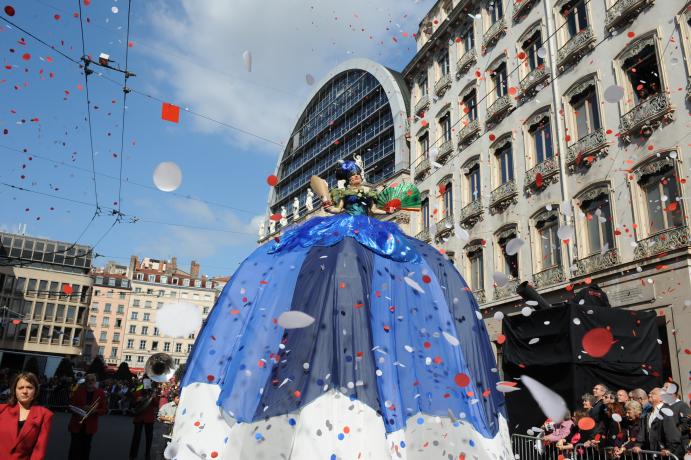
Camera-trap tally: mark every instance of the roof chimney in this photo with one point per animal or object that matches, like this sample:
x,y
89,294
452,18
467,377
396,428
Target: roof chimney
x,y
132,267
194,269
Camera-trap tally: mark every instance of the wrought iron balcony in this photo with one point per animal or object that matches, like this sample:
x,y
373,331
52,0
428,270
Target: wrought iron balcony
x,y
575,48
533,79
492,35
646,117
422,167
471,213
442,84
422,104
587,149
542,175
465,62
665,241
521,8
688,89
549,277
445,150
508,290
623,12
424,235
499,108
469,132
479,295
503,196
444,226
597,262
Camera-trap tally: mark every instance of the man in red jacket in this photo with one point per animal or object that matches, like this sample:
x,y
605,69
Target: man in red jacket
x,y
146,395
85,397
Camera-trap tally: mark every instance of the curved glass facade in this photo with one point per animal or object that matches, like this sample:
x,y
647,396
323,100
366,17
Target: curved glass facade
x,y
349,115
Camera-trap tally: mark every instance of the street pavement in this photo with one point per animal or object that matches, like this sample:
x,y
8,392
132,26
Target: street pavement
x,y
112,442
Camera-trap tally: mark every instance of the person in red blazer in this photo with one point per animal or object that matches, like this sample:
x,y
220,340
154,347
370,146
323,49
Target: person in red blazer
x,y
84,397
24,426
145,419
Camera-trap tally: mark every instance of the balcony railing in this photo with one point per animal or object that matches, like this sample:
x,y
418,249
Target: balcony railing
x,y
549,277
469,132
492,35
575,48
424,235
471,213
589,147
442,84
422,167
480,296
502,196
645,117
543,174
688,89
597,262
465,62
422,104
445,150
521,8
499,108
508,290
533,79
444,226
623,12
668,240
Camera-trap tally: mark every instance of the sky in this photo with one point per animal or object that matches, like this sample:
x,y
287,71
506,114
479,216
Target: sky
x,y
233,118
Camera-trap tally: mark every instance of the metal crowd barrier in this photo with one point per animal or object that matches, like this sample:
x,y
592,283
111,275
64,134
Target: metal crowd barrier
x,y
535,448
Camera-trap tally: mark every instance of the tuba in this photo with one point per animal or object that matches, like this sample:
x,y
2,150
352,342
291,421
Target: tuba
x,y
159,368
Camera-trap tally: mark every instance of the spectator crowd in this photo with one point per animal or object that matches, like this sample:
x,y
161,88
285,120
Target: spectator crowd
x,y
624,423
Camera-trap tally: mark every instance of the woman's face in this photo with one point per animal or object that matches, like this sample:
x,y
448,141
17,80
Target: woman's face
x,y
587,405
631,414
25,392
355,180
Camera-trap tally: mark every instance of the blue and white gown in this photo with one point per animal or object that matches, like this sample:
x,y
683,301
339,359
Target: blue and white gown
x,y
397,364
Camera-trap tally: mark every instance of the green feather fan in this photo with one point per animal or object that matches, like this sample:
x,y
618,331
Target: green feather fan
x,y
401,196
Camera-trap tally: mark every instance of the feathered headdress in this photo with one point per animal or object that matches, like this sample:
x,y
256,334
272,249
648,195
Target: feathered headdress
x,y
346,169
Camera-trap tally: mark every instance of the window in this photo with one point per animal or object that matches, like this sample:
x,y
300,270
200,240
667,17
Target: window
x,y
205,311
105,322
140,276
642,73
659,205
140,359
159,304
596,222
469,105
106,308
176,361
145,330
151,278
137,290
99,280
166,346
149,292
164,280
548,247
135,302
160,293
130,343
424,213
445,124
134,315
475,266
118,323
472,172
197,283
147,316
111,281
178,348
101,351
154,346
443,64
586,112
422,86
186,282
92,320
116,337
468,39
496,11
504,158
575,15
499,78
507,263
530,47
142,344
189,348
446,190
423,142
121,310
191,336
155,331
114,352
128,358
147,304
103,336
133,329
121,296
541,140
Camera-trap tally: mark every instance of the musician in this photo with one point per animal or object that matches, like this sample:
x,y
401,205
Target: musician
x,y
145,409
167,413
24,426
91,400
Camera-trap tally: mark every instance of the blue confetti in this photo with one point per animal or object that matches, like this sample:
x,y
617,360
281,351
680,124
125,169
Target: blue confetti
x,y
291,422
420,420
341,436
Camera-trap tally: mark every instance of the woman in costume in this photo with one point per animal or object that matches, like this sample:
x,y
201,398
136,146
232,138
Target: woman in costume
x,y
346,339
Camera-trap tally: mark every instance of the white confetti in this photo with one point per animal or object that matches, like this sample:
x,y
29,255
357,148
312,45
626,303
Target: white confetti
x,y
552,405
451,339
533,341
413,284
294,320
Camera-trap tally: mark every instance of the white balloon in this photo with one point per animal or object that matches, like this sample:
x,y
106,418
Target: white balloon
x,y
114,10
247,59
526,311
461,233
451,339
614,94
513,246
309,79
499,316
433,153
178,319
294,320
167,176
504,387
541,52
500,278
565,232
552,405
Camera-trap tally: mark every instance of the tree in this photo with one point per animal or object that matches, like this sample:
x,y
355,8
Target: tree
x,y
64,368
123,372
32,366
97,367
180,372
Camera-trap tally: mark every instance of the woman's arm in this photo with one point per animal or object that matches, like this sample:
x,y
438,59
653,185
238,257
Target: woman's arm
x,y
331,209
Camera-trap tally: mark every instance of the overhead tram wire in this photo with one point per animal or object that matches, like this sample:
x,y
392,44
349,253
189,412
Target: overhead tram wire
x,y
125,90
87,71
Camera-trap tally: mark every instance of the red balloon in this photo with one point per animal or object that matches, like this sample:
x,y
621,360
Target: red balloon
x,y
586,423
597,342
272,180
9,10
67,289
538,180
462,380
275,217
16,321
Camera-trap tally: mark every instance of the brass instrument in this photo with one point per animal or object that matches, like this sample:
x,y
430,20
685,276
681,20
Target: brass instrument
x,y
144,402
159,368
92,408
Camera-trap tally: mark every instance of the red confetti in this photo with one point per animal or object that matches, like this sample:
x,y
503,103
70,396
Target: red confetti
x,y
568,138
272,180
57,17
427,345
9,10
501,339
426,279
586,423
26,56
346,429
513,91
462,380
297,394
16,321
597,342
521,55
538,180
170,112
214,454
672,206
275,217
631,34
492,137
210,378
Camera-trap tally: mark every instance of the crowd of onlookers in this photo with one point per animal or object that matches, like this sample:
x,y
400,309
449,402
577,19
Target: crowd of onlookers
x,y
624,422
